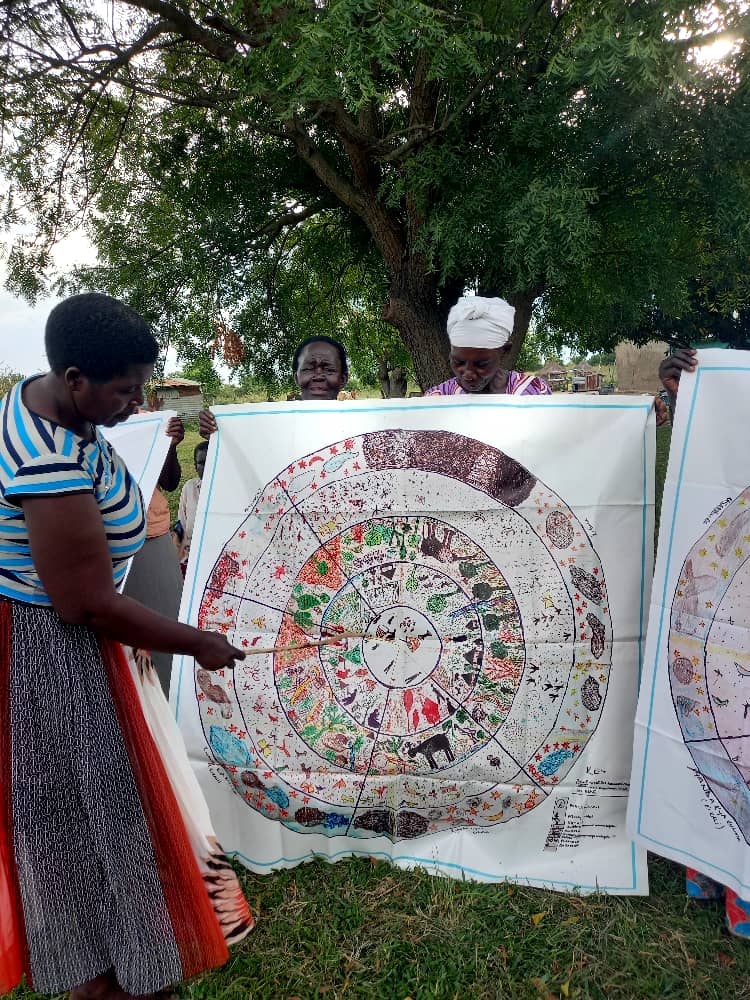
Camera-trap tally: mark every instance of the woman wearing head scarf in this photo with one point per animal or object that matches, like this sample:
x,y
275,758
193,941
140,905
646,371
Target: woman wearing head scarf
x,y
479,330
112,882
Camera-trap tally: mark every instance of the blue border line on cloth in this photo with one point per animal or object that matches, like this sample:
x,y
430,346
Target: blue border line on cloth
x,y
153,444
217,436
257,412
426,863
644,524
435,406
657,653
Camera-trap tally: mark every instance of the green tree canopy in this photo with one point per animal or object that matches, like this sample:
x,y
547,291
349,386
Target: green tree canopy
x,y
8,379
351,167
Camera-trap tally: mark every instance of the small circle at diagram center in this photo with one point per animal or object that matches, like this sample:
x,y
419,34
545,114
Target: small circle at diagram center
x,y
402,647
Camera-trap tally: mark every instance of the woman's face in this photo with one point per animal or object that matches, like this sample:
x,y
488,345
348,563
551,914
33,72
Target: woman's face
x,y
319,374
475,367
112,402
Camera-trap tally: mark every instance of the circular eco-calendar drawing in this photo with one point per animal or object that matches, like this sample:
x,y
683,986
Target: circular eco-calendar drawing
x,y
709,658
435,635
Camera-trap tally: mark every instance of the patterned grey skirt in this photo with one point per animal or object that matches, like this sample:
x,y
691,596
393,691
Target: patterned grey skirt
x,y
107,858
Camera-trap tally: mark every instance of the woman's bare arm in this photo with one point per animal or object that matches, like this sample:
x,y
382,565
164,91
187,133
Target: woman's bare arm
x,y
71,556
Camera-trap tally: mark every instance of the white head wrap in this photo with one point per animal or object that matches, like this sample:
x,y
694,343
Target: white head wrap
x,y
478,322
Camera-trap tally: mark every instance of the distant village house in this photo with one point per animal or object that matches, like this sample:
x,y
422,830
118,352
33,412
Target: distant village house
x,y
585,379
182,395
638,367
554,375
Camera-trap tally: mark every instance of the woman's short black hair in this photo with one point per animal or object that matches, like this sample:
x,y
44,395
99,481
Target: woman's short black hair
x,y
322,339
99,335
202,446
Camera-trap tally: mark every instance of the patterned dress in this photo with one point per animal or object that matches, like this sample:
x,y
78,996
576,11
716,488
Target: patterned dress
x,y
107,856
518,385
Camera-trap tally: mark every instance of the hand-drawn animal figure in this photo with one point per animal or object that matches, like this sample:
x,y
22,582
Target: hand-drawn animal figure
x,y
214,692
438,548
350,695
597,636
373,719
335,741
686,604
443,700
587,583
731,534
436,744
559,529
340,745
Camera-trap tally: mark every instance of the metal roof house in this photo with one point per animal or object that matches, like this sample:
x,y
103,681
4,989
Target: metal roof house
x,y
585,378
182,395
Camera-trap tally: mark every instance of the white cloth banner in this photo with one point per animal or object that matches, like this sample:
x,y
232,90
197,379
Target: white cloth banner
x,y
691,762
443,640
142,444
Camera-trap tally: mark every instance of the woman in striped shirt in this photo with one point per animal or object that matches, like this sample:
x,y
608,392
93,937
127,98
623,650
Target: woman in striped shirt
x,y
109,896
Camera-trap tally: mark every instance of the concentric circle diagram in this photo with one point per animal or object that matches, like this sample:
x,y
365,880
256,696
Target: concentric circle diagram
x,y
439,634
709,665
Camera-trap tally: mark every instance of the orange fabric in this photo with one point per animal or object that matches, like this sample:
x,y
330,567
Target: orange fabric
x,y
157,515
197,931
14,958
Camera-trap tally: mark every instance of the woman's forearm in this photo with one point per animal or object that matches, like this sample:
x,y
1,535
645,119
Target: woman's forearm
x,y
131,623
171,472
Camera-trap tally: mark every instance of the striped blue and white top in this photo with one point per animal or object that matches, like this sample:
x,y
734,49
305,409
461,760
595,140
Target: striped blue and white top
x,y
40,458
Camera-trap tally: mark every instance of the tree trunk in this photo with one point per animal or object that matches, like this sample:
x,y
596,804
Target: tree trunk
x,y
393,382
413,309
523,303
384,378
398,383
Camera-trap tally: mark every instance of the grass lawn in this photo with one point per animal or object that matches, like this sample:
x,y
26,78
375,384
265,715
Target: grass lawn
x,y
360,930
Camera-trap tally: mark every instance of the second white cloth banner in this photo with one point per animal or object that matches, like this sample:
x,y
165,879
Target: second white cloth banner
x,y
691,770
442,604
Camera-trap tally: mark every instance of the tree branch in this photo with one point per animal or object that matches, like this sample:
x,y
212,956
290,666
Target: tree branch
x,y
288,221
187,28
384,231
428,133
338,185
